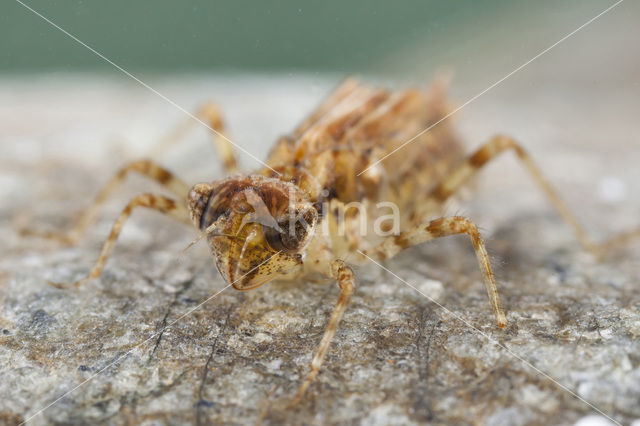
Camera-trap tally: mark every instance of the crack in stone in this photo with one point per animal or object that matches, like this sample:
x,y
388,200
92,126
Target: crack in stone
x,y
201,401
421,403
163,326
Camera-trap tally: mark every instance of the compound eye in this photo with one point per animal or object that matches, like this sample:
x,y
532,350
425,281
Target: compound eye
x,y
284,240
291,235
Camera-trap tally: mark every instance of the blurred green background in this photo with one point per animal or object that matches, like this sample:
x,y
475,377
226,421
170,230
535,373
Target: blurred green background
x,y
344,36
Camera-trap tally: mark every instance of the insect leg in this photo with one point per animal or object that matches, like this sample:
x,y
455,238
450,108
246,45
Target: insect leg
x,y
445,227
211,115
346,281
144,167
450,184
156,202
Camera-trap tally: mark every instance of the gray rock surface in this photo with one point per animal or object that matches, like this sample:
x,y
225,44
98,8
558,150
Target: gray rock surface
x,y
105,349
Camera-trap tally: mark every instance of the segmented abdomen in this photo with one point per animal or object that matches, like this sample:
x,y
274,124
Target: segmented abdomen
x,y
354,128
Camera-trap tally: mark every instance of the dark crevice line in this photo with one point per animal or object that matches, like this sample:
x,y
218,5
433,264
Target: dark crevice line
x,y
163,325
422,399
198,404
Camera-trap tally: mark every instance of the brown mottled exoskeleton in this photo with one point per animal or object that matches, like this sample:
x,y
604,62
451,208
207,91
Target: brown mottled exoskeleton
x,y
292,218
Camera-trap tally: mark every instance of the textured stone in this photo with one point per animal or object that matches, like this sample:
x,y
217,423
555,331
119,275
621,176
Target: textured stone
x,y
397,357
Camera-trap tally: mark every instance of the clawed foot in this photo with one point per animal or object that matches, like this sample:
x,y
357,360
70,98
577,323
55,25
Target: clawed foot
x,y
302,390
66,286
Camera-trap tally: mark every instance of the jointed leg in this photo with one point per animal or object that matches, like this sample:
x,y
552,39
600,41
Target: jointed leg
x,y
211,115
156,202
444,227
346,281
144,167
492,149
